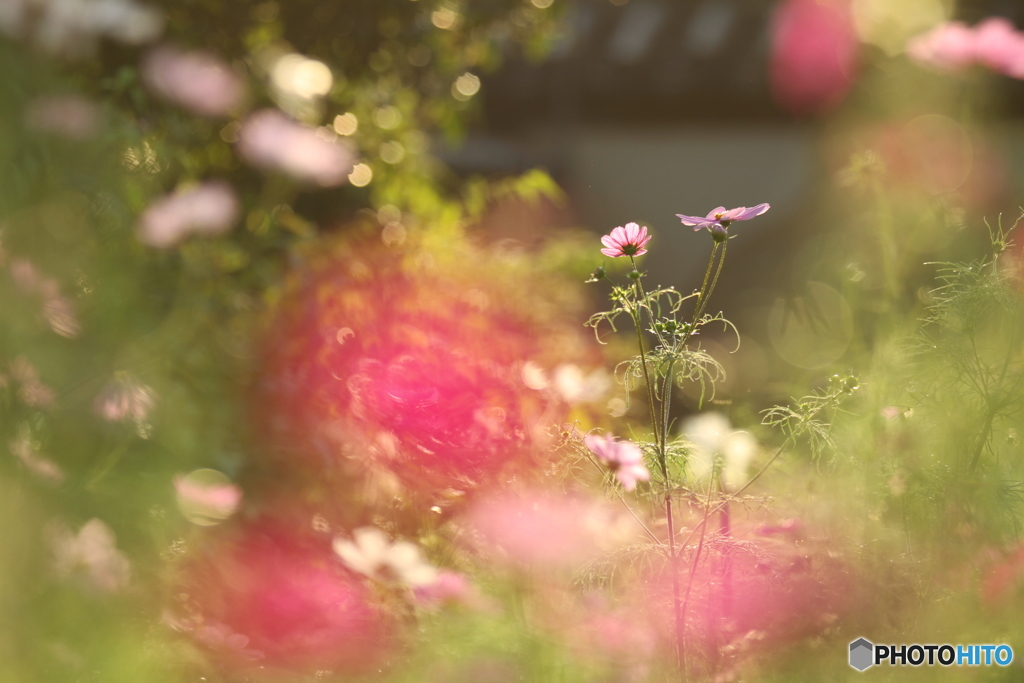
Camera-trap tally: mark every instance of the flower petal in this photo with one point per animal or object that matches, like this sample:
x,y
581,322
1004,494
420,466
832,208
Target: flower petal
x,y
742,213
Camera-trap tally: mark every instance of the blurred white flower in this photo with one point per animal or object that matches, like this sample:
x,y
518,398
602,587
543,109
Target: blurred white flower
x,y
576,386
197,81
372,554
71,28
270,140
713,437
210,208
91,553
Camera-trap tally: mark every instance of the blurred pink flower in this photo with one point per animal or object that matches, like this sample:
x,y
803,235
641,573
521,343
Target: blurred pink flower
x,y
536,529
197,81
723,218
447,587
627,241
283,593
993,43
815,54
623,457
947,46
210,208
270,140
91,553
70,116
1000,47
124,398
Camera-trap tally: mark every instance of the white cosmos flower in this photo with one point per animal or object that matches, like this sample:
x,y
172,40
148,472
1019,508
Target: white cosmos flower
x,y
713,437
373,554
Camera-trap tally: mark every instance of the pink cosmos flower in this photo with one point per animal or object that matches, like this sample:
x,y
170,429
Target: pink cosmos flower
x,y
953,46
270,140
815,54
623,457
1000,47
627,241
721,218
197,81
210,208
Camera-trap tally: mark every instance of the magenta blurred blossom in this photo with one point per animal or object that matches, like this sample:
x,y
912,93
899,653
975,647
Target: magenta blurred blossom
x,y
630,240
953,46
210,208
283,593
92,554
197,81
124,398
815,54
624,458
373,554
270,140
723,218
70,116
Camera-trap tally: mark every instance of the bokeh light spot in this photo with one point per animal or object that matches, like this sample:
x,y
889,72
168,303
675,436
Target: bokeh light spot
x,y
361,175
814,330
346,124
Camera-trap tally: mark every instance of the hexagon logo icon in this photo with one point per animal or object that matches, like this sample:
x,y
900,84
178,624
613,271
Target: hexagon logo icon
x,y
861,654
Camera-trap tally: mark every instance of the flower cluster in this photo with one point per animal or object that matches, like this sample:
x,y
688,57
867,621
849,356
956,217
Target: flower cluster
x,y
953,46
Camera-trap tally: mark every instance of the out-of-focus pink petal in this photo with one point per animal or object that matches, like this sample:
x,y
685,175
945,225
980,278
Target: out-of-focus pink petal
x,y
742,213
270,140
210,208
197,81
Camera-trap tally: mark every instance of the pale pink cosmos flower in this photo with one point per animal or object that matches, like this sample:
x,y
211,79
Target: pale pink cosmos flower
x,y
622,457
630,240
953,46
210,208
32,391
70,116
948,46
25,451
124,398
197,81
723,218
1000,47
448,587
270,140
91,553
